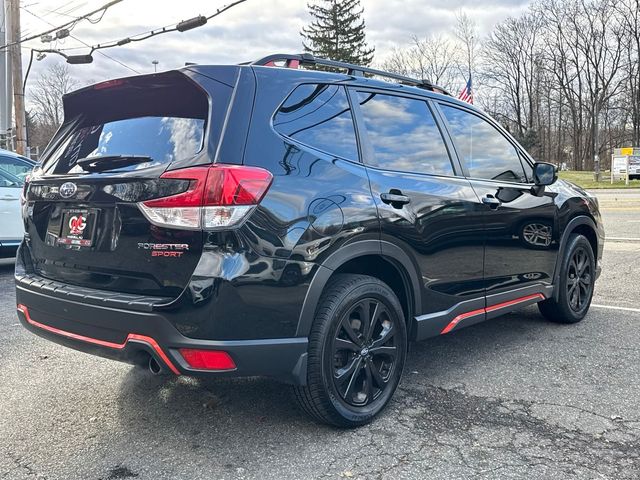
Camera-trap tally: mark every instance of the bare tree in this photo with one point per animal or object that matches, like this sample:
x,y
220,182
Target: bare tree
x,y
600,39
564,76
45,99
512,61
433,58
584,50
466,31
629,11
46,95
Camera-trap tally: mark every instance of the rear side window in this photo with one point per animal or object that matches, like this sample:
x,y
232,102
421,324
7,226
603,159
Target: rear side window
x,y
319,116
404,135
486,152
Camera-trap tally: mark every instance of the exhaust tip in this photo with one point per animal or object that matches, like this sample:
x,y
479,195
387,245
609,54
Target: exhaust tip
x,y
154,367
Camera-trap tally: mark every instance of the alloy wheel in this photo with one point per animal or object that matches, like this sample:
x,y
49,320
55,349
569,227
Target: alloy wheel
x,y
365,350
579,280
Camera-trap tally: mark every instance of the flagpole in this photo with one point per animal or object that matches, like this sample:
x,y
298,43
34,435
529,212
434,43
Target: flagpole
x,y
470,62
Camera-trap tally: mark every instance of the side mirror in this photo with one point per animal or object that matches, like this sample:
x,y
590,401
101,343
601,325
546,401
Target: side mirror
x,y
544,174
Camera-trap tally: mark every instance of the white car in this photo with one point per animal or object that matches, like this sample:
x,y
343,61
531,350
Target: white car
x,y
15,164
11,225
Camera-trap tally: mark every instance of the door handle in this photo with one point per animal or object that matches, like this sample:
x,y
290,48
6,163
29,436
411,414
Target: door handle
x,y
395,198
492,201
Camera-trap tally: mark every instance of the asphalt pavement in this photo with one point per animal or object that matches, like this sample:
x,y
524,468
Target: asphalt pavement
x,y
515,397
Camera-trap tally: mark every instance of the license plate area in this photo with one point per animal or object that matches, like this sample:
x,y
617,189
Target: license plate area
x,y
78,227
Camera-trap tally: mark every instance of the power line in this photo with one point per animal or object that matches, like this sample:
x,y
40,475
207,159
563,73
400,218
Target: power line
x,y
81,41
57,11
180,26
72,23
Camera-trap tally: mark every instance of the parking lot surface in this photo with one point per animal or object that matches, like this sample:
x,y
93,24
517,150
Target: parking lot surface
x,y
515,397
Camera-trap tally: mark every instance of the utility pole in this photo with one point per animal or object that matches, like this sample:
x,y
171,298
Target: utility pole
x,y
15,59
596,140
5,100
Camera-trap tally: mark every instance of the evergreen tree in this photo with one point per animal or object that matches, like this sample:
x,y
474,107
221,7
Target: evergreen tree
x,y
337,32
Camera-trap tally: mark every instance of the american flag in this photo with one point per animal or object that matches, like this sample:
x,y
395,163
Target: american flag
x,y
466,95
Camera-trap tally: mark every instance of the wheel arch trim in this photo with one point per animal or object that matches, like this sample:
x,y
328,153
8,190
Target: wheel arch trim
x,y
393,254
570,227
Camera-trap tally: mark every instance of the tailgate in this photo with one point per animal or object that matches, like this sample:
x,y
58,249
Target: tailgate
x,y
83,223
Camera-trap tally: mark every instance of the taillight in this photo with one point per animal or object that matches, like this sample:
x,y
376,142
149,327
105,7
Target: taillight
x,y
207,359
219,196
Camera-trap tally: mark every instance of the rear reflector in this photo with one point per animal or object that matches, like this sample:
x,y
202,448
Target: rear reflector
x,y
207,359
219,196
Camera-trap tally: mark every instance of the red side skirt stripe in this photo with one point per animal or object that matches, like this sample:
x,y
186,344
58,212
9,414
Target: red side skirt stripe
x,y
117,346
452,324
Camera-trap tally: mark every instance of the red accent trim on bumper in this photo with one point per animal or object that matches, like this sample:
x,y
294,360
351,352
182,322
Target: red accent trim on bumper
x,y
451,325
459,318
117,346
515,302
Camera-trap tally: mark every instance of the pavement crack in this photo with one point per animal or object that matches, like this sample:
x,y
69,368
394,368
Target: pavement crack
x,y
26,467
511,429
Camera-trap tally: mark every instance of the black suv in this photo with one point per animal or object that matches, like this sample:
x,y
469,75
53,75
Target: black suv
x,y
298,223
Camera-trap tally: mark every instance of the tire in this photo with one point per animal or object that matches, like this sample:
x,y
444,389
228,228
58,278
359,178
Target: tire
x,y
577,271
353,370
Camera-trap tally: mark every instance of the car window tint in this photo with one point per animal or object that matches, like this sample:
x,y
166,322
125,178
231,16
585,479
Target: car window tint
x,y
486,152
16,167
319,116
404,135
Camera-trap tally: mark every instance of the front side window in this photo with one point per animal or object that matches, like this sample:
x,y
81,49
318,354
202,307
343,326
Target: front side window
x,y
484,150
404,135
319,116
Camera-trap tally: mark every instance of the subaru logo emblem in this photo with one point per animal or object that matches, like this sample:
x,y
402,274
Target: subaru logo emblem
x,y
68,190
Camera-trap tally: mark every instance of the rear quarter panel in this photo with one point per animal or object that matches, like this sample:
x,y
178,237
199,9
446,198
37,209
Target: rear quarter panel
x,y
255,279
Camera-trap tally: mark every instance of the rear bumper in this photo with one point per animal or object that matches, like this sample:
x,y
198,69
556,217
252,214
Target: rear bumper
x,y
132,335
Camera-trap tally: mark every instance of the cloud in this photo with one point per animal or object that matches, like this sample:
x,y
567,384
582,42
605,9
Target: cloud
x,y
247,31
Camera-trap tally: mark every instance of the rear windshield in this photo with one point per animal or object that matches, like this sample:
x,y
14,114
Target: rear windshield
x,y
163,139
162,118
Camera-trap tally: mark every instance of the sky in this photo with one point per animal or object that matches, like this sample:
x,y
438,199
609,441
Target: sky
x,y
248,31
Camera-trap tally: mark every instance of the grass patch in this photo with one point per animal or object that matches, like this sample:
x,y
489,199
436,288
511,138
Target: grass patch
x,y
585,180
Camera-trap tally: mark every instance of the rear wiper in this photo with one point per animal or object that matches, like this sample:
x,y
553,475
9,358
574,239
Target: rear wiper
x,y
101,163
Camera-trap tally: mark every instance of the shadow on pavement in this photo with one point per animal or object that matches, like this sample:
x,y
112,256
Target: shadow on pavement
x,y
7,265
241,413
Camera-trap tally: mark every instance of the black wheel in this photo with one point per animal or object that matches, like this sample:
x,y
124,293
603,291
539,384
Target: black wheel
x,y
575,285
357,350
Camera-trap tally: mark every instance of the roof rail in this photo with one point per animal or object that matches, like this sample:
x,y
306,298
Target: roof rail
x,y
295,60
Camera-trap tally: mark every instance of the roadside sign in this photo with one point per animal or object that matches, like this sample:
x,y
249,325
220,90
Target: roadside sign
x,y
625,164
